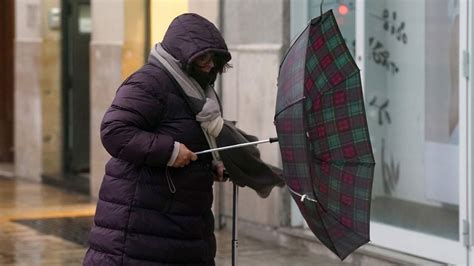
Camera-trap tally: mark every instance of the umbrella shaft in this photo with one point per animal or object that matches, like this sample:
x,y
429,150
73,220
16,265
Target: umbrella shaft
x,y
235,241
238,145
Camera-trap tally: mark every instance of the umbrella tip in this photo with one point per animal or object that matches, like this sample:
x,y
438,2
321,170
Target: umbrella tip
x,y
321,8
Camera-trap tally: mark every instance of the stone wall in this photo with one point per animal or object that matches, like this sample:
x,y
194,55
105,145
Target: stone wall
x,y
256,33
27,100
107,43
51,94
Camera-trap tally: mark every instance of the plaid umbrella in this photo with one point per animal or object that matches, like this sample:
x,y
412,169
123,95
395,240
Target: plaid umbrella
x,y
322,129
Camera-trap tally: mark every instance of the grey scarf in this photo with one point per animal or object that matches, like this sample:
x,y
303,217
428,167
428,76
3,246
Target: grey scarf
x,y
189,85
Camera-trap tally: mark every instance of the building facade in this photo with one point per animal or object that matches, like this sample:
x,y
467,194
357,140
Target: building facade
x,y
70,57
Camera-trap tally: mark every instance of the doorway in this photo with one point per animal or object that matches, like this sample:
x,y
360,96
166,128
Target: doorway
x,y
7,32
76,32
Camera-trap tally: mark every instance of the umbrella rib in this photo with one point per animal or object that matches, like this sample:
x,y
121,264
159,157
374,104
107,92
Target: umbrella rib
x,y
288,106
302,196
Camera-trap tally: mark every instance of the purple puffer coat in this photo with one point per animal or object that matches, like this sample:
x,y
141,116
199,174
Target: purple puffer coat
x,y
147,213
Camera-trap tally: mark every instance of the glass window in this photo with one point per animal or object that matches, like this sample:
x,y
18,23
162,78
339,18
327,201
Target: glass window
x,y
84,19
412,101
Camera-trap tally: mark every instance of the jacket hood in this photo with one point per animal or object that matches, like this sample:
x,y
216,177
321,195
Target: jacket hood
x,y
190,35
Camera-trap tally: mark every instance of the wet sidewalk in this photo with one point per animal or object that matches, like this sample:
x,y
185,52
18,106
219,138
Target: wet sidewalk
x,y
43,225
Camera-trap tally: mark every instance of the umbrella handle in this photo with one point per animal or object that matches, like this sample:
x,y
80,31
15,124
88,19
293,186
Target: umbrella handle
x,y
270,140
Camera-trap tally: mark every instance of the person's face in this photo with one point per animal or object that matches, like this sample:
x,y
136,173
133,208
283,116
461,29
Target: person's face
x,y
205,62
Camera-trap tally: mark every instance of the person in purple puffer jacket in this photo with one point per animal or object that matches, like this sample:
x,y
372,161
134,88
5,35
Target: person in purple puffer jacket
x,y
155,200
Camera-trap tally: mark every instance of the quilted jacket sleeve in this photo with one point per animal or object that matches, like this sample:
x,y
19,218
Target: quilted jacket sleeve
x,y
127,128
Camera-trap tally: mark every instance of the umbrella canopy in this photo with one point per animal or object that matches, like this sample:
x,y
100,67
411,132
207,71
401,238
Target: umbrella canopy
x,y
324,141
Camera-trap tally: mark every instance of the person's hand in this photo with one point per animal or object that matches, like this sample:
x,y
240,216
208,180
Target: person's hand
x,y
219,172
185,156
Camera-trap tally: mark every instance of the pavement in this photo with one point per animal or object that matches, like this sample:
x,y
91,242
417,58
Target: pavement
x,y
44,225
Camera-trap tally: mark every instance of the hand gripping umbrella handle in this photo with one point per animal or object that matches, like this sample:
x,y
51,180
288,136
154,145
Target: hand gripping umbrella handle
x,y
271,140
